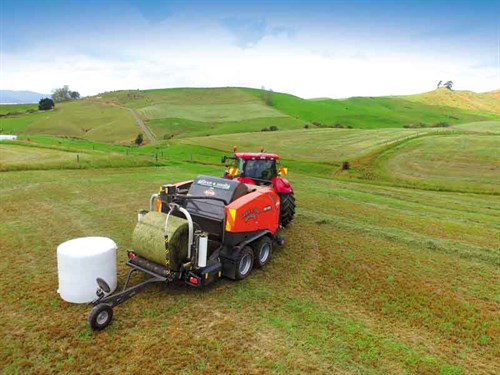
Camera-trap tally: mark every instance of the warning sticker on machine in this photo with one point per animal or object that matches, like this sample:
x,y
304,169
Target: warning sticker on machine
x,y
214,184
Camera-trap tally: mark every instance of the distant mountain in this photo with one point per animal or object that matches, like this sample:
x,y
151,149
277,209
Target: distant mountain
x,y
20,97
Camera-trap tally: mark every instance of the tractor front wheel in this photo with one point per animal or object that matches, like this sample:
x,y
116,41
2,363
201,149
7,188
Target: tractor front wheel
x,y
287,208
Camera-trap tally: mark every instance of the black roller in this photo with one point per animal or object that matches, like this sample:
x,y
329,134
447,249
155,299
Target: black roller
x,y
150,266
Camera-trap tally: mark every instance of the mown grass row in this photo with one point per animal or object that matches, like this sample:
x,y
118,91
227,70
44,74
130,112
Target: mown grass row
x,y
374,278
461,162
356,289
443,160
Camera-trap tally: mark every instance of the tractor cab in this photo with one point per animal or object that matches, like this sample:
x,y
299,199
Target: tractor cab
x,y
262,169
254,168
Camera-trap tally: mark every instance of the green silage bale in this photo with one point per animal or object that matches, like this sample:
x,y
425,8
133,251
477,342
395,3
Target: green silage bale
x,y
148,240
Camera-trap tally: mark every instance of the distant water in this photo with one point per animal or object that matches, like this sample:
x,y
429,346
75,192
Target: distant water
x,y
17,103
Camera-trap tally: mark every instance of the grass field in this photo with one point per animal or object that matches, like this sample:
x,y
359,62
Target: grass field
x,y
326,145
85,119
210,112
374,112
492,127
468,100
22,156
192,112
11,109
469,162
391,267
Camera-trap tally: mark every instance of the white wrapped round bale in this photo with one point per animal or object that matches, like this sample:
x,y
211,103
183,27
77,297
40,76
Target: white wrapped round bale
x,y
79,262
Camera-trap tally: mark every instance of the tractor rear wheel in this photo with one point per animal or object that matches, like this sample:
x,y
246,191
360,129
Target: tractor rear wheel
x,y
262,249
287,208
244,263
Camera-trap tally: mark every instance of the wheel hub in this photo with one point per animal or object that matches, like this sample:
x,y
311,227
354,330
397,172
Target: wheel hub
x,y
264,253
245,264
102,317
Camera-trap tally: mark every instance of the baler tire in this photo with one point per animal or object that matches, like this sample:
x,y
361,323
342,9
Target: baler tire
x,y
287,208
100,316
243,269
262,244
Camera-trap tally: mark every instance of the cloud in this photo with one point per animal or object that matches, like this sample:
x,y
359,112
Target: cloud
x,y
308,59
250,31
154,10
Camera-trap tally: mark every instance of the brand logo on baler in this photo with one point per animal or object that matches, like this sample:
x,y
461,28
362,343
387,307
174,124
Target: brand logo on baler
x,y
214,184
250,214
209,192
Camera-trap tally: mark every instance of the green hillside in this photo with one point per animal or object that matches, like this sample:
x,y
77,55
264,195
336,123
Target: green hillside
x,y
464,100
86,119
371,112
187,112
200,111
17,109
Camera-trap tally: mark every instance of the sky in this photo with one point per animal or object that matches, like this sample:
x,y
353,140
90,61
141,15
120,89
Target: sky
x,y
309,48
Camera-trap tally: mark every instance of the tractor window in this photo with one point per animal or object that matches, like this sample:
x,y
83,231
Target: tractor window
x,y
262,169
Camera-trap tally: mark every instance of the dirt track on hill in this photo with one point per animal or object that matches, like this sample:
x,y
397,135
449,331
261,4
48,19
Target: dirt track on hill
x,y
144,128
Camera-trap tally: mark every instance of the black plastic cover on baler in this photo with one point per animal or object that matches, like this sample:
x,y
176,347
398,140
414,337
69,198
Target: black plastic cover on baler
x,y
209,213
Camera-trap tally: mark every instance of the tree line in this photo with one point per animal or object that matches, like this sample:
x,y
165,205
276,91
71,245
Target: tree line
x,y
59,95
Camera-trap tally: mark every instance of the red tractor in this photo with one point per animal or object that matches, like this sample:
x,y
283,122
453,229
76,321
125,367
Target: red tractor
x,y
263,169
200,230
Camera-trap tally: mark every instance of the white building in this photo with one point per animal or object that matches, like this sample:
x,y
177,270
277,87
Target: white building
x,y
5,137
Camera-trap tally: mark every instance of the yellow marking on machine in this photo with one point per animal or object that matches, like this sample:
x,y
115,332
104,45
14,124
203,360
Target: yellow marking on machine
x,y
232,212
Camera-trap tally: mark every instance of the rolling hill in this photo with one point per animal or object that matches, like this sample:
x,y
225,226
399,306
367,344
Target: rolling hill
x,y
464,100
85,119
187,112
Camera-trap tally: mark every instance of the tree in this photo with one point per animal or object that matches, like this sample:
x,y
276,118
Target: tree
x,y
139,139
439,84
75,95
267,96
64,93
448,84
61,94
45,104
